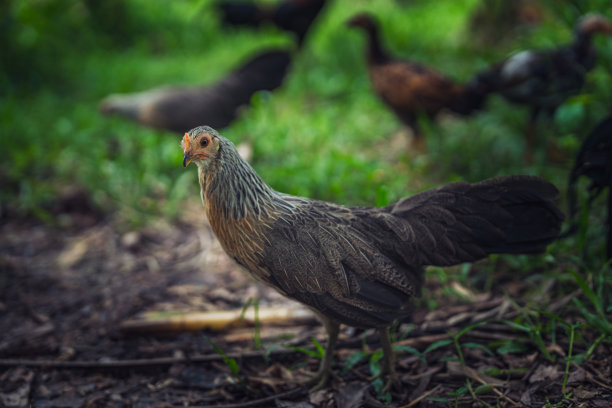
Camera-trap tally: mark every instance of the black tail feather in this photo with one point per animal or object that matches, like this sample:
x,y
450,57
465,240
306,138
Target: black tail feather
x,y
512,215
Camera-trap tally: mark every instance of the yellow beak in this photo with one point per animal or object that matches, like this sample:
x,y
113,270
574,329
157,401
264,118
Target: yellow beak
x,y
187,158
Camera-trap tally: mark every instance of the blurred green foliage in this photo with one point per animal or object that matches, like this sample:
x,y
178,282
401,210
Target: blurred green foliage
x,y
323,134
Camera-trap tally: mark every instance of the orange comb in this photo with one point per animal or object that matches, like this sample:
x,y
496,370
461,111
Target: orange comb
x,y
186,142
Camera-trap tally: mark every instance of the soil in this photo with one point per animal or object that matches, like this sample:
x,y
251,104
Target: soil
x,y
68,293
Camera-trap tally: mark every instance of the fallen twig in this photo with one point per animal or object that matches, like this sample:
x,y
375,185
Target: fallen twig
x,y
215,320
253,403
139,362
422,396
491,335
422,341
444,314
597,378
481,378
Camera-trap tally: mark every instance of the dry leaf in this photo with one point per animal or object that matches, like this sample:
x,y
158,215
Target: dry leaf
x,y
545,373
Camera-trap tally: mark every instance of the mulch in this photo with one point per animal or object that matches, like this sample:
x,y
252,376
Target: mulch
x,y
66,290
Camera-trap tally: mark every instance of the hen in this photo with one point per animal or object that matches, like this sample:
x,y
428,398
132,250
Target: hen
x,y
177,108
411,89
594,160
544,79
295,16
361,266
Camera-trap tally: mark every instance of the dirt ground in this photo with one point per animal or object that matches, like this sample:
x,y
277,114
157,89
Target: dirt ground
x,y
68,294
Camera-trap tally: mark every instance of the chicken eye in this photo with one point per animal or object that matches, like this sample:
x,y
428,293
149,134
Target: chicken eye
x,y
204,142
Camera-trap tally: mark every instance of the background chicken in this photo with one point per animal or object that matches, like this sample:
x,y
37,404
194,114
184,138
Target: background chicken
x,y
544,79
295,16
594,161
411,89
362,265
177,108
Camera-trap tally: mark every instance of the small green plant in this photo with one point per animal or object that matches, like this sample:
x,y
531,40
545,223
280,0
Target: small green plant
x,y
550,404
411,350
354,359
230,362
437,344
598,315
257,334
318,352
568,359
456,394
530,324
483,388
378,383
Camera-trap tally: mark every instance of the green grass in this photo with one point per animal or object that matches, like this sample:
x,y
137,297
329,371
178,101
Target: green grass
x,y
320,135
323,134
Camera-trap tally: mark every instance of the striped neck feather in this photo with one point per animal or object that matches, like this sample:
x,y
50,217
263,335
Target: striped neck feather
x,y
233,187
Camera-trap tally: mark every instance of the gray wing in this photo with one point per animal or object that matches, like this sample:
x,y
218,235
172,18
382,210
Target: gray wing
x,y
328,257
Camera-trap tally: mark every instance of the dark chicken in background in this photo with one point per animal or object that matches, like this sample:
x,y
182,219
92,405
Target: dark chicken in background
x,y
494,22
411,89
544,79
361,266
295,16
177,108
594,161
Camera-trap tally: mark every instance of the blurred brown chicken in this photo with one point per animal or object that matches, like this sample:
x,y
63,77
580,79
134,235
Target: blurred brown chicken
x,y
178,108
544,79
361,266
295,16
411,89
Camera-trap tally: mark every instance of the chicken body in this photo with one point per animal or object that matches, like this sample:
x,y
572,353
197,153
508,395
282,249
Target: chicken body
x,y
361,266
411,89
295,16
594,161
177,108
544,79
